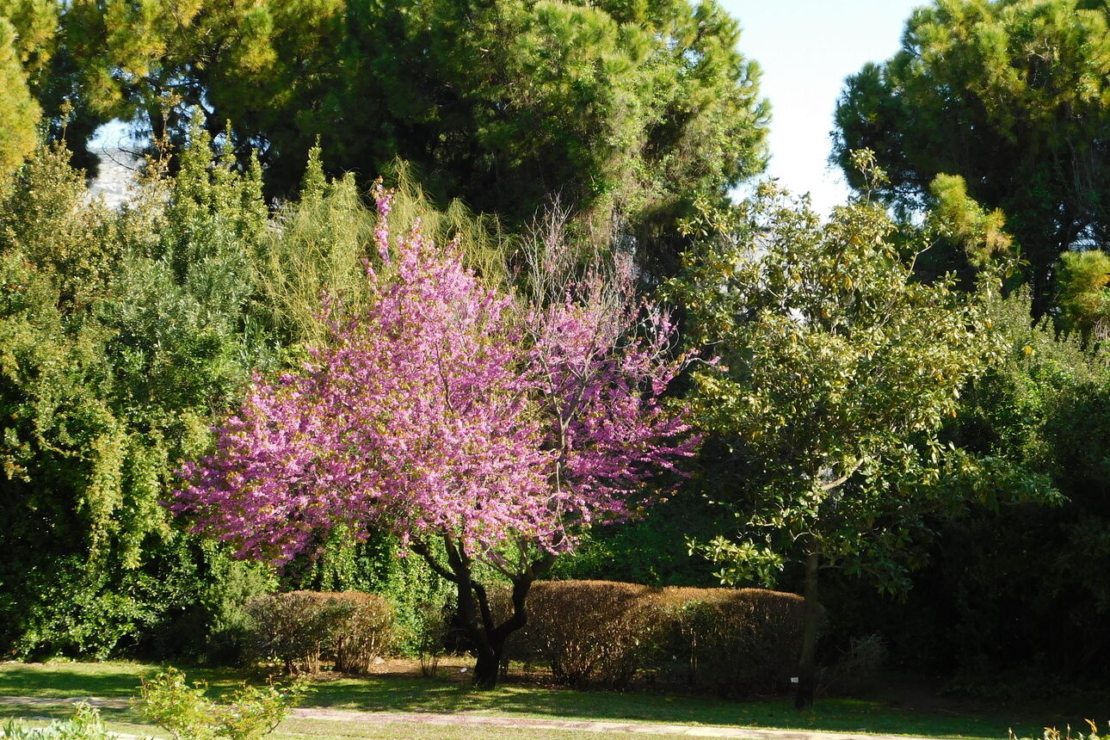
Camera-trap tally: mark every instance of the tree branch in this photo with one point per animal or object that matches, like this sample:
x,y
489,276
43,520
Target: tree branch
x,y
421,549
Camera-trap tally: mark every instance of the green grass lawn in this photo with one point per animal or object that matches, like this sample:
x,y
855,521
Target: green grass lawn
x,y
403,693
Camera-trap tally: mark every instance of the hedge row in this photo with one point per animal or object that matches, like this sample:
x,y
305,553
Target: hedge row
x,y
729,641
301,628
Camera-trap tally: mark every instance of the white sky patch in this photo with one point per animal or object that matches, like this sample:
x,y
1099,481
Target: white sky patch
x,y
806,49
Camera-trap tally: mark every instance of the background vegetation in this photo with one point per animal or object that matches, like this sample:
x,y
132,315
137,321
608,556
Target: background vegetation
x,y
912,393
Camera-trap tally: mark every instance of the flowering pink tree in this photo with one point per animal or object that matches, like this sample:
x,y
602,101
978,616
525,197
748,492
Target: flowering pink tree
x,y
445,413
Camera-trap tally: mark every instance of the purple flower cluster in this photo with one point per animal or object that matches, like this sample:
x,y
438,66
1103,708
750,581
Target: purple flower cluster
x,y
440,411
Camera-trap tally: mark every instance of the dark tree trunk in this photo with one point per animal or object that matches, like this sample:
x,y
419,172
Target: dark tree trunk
x,y
487,667
490,644
487,648
807,670
487,639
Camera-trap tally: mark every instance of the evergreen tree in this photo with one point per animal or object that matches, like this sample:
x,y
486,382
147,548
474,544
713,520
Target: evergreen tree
x,y
1011,95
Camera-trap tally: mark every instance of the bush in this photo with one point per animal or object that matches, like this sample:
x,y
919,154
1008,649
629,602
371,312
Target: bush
x,y
85,724
303,627
588,631
729,641
1051,733
378,565
365,632
184,712
224,620
735,642
856,670
434,623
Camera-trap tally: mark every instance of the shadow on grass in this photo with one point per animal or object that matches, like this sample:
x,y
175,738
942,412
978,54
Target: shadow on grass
x,y
406,693
63,680
108,680
130,715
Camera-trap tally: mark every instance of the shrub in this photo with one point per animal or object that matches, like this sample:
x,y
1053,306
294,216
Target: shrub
x,y
589,631
364,632
431,633
379,565
729,641
735,641
856,670
302,627
1051,733
85,724
224,620
291,627
184,712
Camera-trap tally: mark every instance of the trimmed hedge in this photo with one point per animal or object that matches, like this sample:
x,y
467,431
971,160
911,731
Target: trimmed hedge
x,y
735,642
729,641
587,631
301,628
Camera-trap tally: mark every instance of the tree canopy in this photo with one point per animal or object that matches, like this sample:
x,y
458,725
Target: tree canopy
x,y
836,372
121,333
613,107
443,412
19,113
1013,96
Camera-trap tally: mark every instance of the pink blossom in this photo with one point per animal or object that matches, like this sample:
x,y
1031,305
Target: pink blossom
x,y
440,412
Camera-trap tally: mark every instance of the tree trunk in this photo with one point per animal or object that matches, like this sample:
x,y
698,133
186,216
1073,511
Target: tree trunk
x,y
490,645
487,649
487,667
487,639
807,670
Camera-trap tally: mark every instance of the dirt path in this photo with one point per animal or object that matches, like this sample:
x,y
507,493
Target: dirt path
x,y
478,720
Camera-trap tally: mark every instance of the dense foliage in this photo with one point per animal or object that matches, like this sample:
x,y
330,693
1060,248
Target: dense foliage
x,y
122,333
987,607
1012,96
836,372
622,110
19,113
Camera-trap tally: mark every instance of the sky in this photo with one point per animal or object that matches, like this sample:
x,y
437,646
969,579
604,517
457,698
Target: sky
x,y
806,48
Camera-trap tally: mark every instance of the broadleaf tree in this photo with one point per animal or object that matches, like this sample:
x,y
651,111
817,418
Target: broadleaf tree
x,y
449,415
19,113
835,370
123,334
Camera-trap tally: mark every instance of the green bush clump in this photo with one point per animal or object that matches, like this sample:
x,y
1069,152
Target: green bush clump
x,y
85,724
184,712
364,633
302,628
729,641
